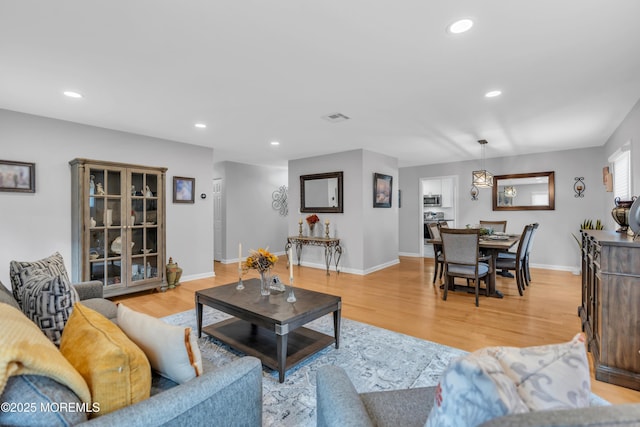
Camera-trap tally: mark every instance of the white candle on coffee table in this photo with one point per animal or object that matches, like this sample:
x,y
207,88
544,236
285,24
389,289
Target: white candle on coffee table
x,y
291,265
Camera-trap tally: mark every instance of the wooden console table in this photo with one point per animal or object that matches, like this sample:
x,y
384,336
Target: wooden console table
x,y
332,248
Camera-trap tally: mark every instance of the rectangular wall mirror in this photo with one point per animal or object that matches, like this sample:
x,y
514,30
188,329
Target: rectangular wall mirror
x,y
524,191
321,192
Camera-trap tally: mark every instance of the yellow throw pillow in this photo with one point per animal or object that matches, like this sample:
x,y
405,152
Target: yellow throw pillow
x,y
116,370
25,350
172,351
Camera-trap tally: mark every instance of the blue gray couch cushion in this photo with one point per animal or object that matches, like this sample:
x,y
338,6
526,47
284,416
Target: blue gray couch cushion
x,y
405,407
36,402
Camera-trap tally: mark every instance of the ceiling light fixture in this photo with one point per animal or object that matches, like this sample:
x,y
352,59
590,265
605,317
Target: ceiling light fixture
x,y
482,178
200,125
460,26
493,93
72,94
275,143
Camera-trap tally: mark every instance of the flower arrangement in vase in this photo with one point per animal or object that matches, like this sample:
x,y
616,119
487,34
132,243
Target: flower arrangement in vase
x,y
311,221
261,260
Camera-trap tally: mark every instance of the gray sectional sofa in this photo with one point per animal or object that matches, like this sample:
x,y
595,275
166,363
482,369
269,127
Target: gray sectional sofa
x,y
226,396
340,405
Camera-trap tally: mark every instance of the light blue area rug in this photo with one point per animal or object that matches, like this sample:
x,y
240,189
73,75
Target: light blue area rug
x,y
374,358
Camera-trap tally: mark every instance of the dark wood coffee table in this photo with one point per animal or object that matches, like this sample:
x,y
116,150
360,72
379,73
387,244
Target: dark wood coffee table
x,y
268,327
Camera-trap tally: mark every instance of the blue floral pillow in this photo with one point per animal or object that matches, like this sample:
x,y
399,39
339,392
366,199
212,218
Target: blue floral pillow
x,y
472,390
497,381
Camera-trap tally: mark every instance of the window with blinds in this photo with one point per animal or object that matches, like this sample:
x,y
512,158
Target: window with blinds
x,y
622,175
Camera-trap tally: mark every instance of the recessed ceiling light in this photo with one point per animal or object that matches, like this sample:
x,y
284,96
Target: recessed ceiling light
x,y
200,125
72,94
274,143
460,26
493,93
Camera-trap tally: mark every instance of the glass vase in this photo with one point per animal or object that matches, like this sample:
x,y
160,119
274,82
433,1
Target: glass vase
x,y
265,281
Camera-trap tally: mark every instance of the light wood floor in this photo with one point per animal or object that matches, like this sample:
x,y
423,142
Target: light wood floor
x,y
403,299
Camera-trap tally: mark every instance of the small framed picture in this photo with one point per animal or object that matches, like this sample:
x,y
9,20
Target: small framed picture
x,y
382,190
17,176
183,189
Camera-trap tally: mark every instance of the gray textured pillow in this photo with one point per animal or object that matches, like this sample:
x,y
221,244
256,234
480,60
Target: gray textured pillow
x,y
48,301
40,397
20,271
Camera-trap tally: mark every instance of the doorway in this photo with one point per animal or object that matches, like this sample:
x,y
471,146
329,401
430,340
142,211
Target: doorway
x,y
440,193
217,219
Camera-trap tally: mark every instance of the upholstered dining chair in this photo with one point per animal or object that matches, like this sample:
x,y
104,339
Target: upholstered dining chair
x,y
527,272
499,226
512,255
517,263
438,258
460,248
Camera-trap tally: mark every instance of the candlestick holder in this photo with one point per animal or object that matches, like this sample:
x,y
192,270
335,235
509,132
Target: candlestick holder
x,y
299,229
291,297
326,231
240,285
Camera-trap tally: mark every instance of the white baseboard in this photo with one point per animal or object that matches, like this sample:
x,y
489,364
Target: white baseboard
x,y
197,276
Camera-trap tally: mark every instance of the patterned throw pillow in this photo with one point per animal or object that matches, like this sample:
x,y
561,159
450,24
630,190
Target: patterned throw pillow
x,y
549,376
497,381
20,271
48,301
473,389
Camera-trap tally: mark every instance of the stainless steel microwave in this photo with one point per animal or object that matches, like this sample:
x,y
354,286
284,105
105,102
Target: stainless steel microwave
x,y
432,200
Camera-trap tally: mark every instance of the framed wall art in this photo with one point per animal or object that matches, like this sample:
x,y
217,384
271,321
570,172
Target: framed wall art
x,y
183,189
17,176
382,190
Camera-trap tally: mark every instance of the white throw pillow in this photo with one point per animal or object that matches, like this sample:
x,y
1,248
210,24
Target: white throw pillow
x,y
549,376
497,381
473,389
172,351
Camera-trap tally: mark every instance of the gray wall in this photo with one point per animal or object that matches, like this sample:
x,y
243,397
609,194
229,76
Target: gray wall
x,y
629,130
369,236
36,225
558,248
248,215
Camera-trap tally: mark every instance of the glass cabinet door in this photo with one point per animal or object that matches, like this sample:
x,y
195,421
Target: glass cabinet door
x,y
106,225
144,226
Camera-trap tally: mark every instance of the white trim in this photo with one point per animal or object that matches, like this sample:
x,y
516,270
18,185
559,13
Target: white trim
x,y
197,276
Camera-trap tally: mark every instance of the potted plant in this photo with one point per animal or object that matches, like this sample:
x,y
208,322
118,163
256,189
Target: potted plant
x,y
587,224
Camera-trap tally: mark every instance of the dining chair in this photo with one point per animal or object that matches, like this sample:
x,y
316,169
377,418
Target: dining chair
x,y
460,249
527,272
499,226
517,263
434,230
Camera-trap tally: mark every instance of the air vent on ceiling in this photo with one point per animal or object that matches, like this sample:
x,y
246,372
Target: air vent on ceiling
x,y
335,117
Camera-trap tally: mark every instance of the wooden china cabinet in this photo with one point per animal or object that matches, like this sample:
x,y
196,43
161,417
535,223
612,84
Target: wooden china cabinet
x,y
118,225
609,310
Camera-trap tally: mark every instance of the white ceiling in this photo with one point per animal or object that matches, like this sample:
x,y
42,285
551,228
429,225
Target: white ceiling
x,y
257,71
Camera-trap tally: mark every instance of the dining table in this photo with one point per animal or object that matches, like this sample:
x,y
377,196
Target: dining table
x,y
491,246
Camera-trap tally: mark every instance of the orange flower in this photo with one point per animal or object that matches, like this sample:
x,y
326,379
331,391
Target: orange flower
x,y
261,260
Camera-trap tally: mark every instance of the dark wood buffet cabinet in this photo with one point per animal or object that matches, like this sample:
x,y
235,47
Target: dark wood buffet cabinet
x,y
610,309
